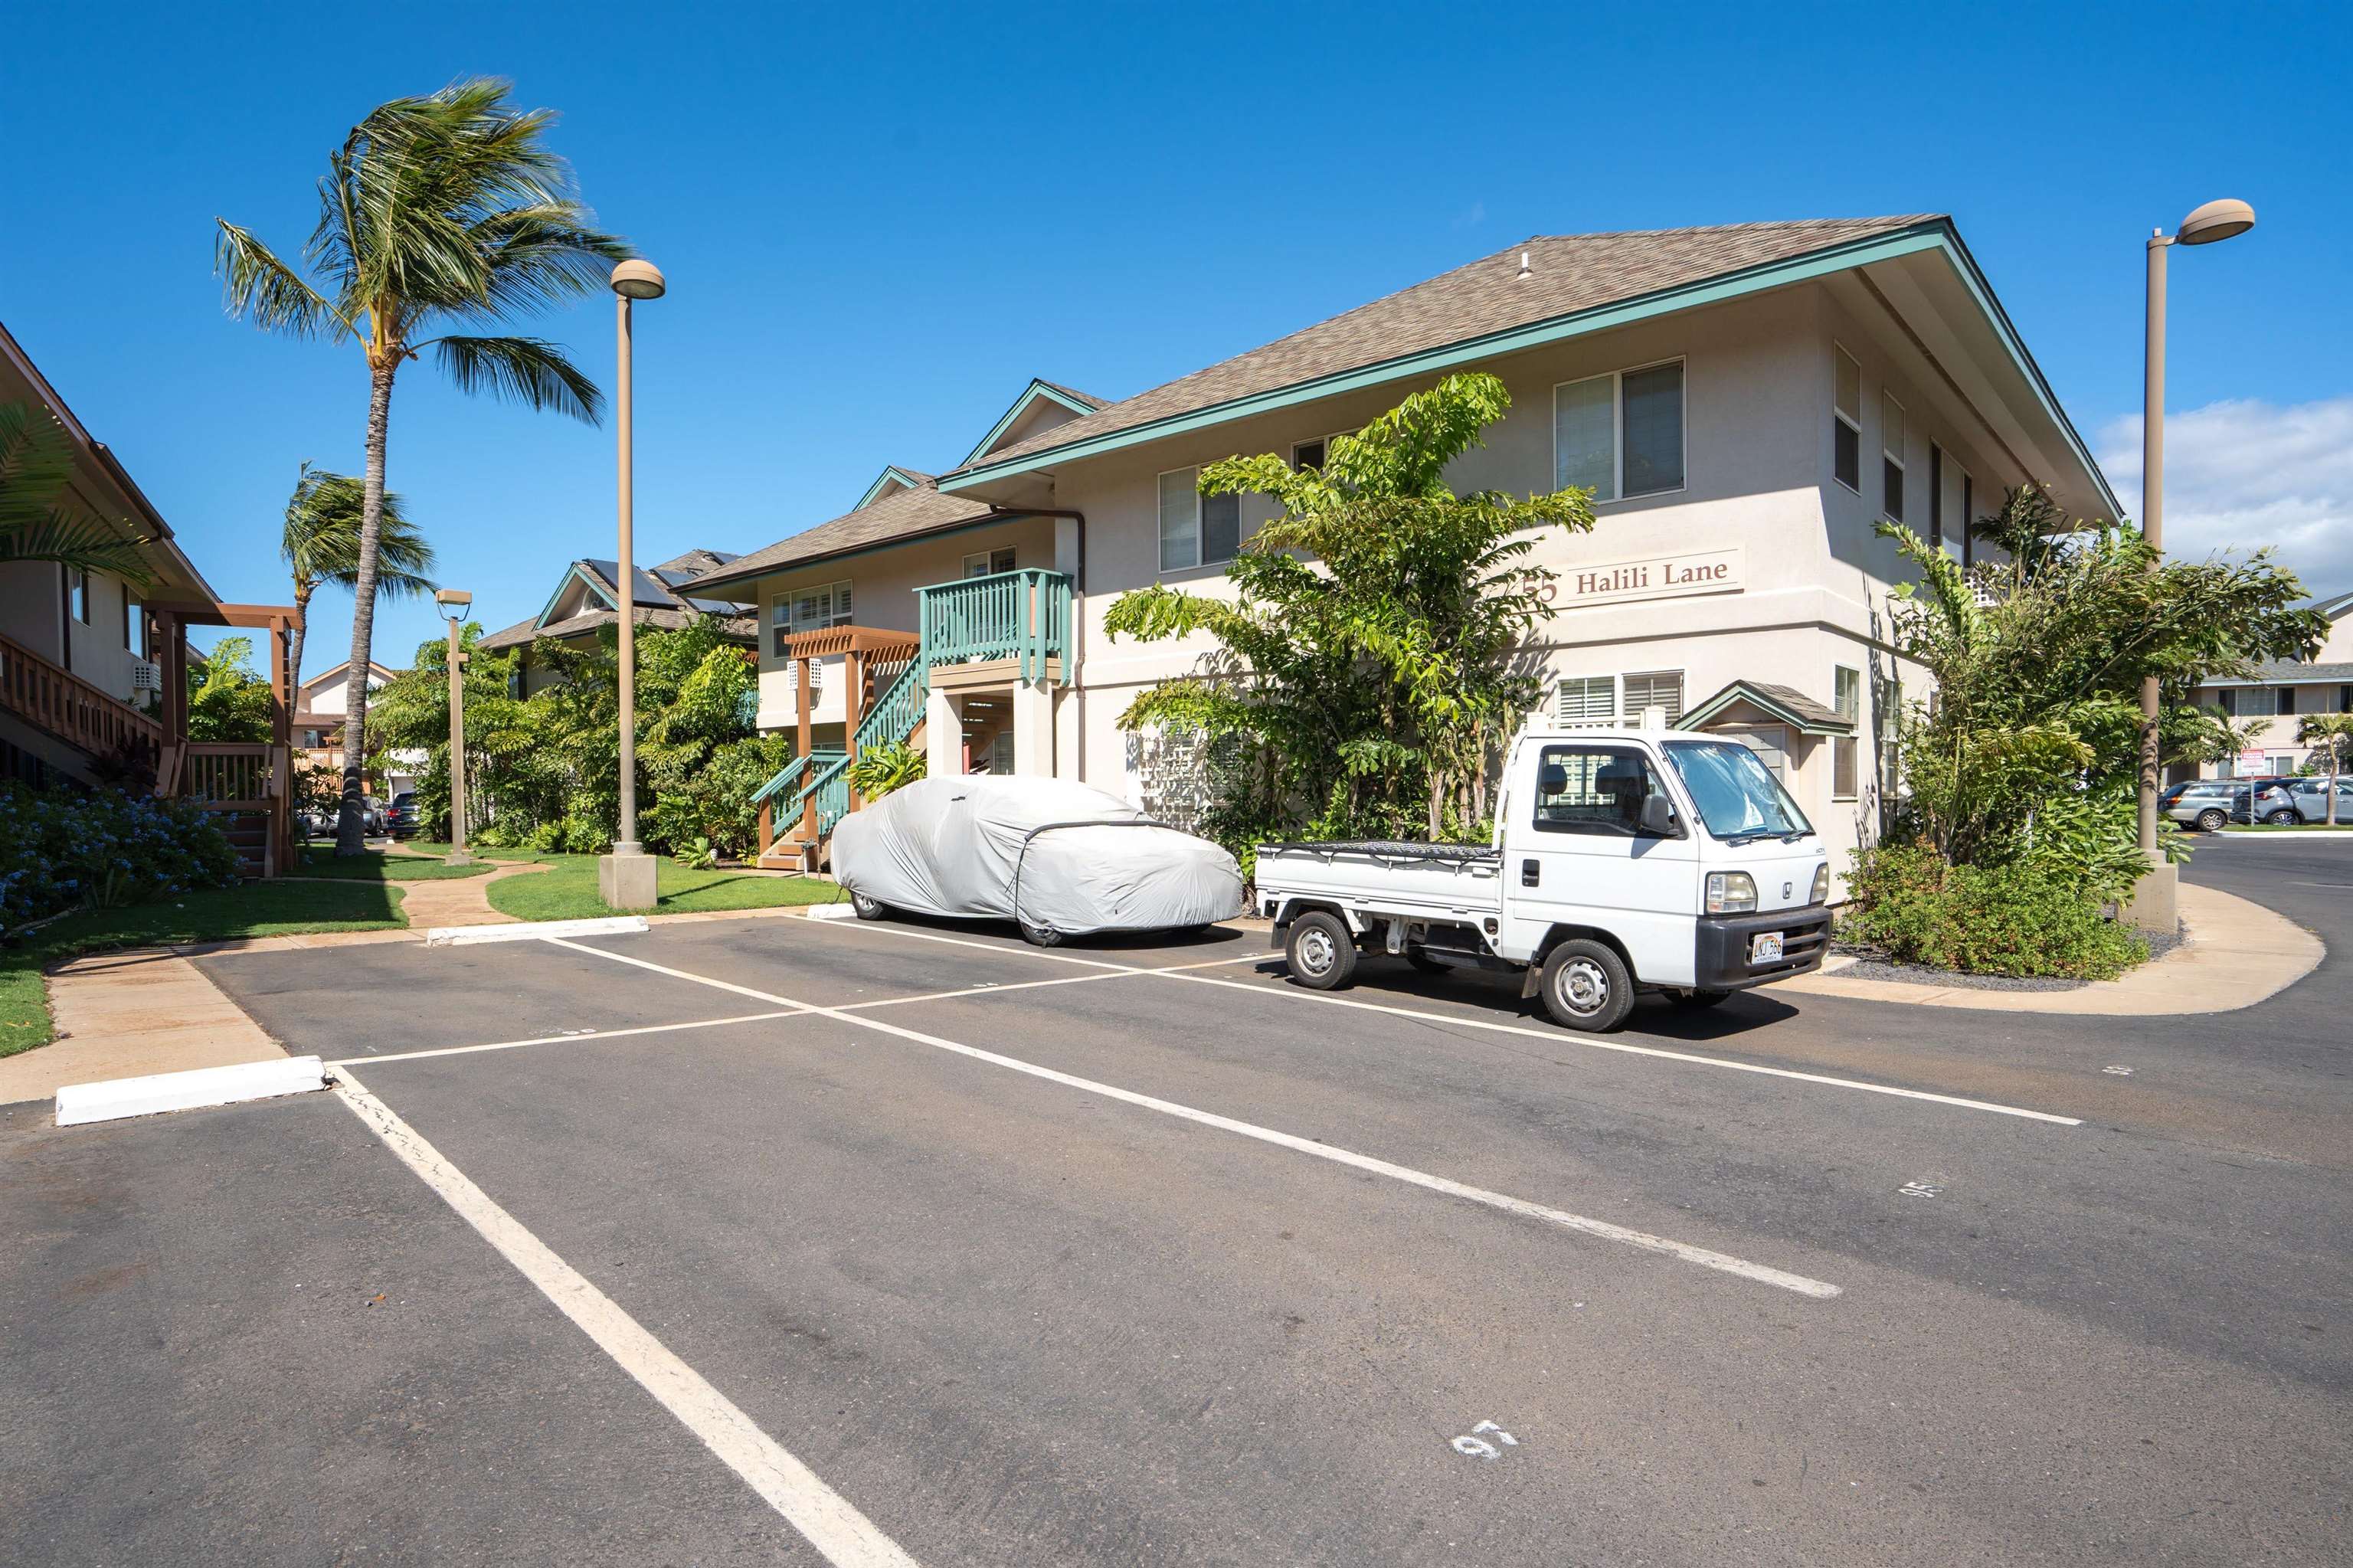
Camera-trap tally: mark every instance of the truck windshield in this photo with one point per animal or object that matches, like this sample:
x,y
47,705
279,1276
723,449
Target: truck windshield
x,y
1738,795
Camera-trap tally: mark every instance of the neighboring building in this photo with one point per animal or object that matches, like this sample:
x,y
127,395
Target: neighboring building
x,y
93,668
588,599
318,711
2278,694
1748,402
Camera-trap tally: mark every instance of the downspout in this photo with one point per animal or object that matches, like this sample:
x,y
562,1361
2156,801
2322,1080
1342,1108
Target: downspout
x,y
1071,664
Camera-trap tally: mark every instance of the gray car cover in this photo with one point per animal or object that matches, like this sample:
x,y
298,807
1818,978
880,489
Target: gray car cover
x,y
1046,852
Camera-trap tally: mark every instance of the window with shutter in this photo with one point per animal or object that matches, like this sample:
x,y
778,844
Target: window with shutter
x,y
1655,689
1587,699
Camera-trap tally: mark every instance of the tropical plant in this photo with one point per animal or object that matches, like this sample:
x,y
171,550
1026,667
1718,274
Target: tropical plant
x,y
232,701
64,848
882,768
2332,734
448,209
1373,658
321,543
40,520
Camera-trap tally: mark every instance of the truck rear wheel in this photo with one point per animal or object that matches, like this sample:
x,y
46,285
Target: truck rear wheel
x,y
1586,986
1320,951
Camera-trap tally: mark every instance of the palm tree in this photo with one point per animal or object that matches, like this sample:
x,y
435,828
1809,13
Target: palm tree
x,y
321,544
39,518
441,210
2333,733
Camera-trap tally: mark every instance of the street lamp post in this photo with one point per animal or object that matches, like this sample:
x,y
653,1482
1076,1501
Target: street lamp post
x,y
2154,900
627,876
454,603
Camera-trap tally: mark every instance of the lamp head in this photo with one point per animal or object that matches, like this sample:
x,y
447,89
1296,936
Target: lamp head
x,y
637,279
453,602
2215,220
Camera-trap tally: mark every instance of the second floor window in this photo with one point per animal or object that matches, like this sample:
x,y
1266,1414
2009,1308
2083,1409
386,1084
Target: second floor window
x,y
77,595
1620,435
1891,453
1846,424
987,563
1195,530
807,609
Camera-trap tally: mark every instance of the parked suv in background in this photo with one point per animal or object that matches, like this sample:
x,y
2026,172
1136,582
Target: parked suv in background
x,y
2211,804
400,817
2311,797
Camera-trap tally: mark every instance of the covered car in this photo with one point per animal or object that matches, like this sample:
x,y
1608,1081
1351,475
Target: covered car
x,y
1057,857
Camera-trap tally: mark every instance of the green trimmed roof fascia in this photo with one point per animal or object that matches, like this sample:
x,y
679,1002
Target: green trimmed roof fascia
x,y
885,477
1029,393
1935,235
1742,692
741,581
576,570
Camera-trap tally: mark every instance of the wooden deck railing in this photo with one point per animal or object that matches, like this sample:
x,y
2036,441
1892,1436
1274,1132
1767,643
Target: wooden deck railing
x,y
85,716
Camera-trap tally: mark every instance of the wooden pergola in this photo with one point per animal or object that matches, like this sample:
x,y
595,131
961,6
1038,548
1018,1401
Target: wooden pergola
x,y
234,779
861,649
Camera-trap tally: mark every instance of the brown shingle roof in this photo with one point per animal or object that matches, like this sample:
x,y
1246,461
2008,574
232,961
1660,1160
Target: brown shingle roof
x,y
523,633
902,514
1567,273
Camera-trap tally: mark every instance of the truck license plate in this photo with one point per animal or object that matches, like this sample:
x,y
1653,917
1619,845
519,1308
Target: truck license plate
x,y
1764,947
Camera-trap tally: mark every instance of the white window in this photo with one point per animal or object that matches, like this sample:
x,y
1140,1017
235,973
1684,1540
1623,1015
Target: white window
x,y
1846,423
1195,530
1000,753
1587,699
1846,697
1891,454
1846,689
135,625
2252,701
78,594
1654,689
988,563
807,609
1620,435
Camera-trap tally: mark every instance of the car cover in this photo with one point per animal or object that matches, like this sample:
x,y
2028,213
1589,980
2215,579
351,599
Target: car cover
x,y
1045,851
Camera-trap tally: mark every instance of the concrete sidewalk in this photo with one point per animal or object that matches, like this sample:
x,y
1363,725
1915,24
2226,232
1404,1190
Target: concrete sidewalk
x,y
2235,953
123,1016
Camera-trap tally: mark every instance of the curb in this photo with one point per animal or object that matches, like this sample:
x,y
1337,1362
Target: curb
x,y
114,1099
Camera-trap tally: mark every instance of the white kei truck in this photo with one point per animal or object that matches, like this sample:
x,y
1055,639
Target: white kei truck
x,y
1623,860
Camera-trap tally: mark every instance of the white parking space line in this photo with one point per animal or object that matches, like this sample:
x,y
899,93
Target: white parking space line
x,y
1557,1036
844,1536
576,1037
1723,1263
1596,1043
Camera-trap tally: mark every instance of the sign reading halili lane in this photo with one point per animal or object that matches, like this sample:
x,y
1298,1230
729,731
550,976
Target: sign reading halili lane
x,y
1653,577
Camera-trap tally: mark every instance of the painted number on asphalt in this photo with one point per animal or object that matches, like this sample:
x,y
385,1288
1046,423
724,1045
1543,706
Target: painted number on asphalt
x,y
1472,1446
2119,1072
1919,1189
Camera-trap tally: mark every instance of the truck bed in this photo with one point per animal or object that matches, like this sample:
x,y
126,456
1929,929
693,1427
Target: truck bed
x,y
1385,877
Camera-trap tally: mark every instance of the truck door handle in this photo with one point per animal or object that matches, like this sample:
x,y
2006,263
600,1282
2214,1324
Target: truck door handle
x,y
1531,872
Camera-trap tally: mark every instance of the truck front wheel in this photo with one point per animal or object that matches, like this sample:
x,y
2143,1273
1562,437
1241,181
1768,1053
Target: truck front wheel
x,y
1320,951
1586,986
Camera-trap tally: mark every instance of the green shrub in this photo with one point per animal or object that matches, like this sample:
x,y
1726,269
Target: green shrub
x,y
882,768
2019,919
62,850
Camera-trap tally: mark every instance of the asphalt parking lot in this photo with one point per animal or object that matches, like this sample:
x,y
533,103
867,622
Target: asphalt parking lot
x,y
773,1241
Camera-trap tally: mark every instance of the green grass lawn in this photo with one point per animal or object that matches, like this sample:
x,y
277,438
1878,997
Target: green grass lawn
x,y
286,908
376,866
567,890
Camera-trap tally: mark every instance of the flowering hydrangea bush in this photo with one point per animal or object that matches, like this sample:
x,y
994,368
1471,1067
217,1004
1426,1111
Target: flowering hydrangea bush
x,y
60,850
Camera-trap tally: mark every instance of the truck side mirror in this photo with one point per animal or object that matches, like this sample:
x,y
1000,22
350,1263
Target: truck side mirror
x,y
1659,818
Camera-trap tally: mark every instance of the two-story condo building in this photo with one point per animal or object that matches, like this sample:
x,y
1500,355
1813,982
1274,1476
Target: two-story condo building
x,y
2270,704
1745,402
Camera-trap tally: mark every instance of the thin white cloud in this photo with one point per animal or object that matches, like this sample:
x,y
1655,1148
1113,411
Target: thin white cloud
x,y
1475,213
2245,473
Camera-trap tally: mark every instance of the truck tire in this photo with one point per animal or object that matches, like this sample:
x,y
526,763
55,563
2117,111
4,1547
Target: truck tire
x,y
866,908
1320,951
1585,986
1041,936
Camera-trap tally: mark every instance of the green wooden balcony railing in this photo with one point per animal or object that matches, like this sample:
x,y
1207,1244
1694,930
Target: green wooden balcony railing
x,y
1022,615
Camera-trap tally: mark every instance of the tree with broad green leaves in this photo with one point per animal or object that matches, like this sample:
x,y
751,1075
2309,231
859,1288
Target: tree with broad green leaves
x,y
1371,654
449,211
321,543
2331,734
231,702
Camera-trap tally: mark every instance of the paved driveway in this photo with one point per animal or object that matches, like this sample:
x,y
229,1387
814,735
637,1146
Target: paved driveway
x,y
782,1241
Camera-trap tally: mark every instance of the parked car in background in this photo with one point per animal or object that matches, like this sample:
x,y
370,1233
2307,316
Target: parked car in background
x,y
2311,797
400,816
2210,805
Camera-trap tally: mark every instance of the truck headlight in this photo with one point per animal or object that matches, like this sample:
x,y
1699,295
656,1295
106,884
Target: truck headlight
x,y
1821,894
1731,892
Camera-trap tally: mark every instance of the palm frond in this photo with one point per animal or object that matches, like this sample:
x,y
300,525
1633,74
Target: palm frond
x,y
528,370
82,542
39,519
322,537
257,282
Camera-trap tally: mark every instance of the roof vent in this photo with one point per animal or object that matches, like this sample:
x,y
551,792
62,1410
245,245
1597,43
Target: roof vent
x,y
1524,267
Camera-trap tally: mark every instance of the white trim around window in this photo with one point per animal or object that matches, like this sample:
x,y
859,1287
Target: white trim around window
x,y
1846,417
809,608
988,563
1195,530
1584,409
1891,457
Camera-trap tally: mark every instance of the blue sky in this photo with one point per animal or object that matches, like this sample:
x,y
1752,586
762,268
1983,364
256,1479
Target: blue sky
x,y
880,221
